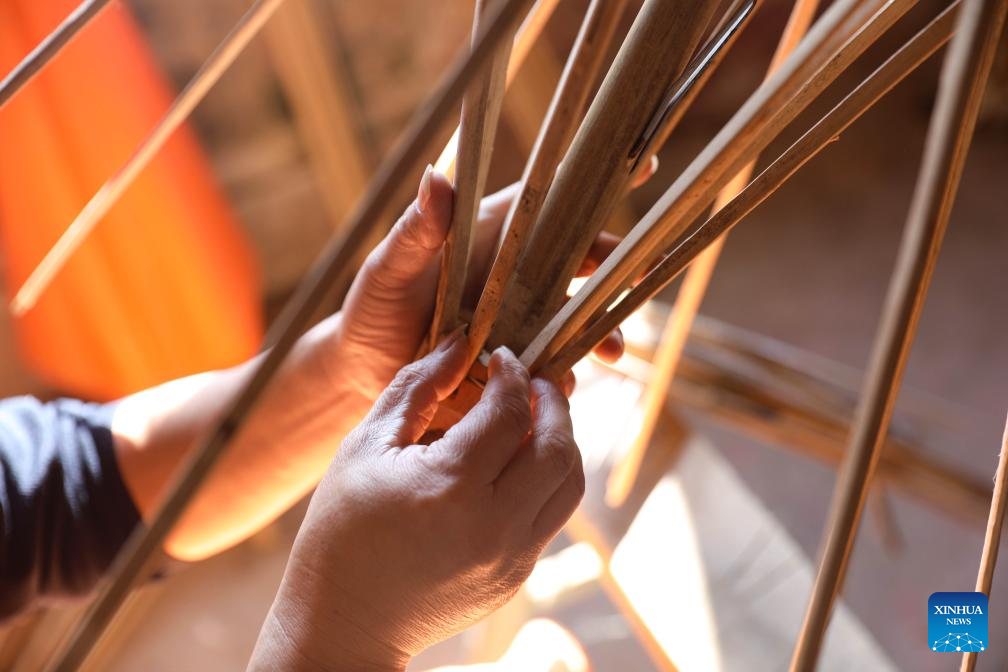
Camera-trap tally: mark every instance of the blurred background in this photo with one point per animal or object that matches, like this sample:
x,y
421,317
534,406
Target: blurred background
x,y
808,269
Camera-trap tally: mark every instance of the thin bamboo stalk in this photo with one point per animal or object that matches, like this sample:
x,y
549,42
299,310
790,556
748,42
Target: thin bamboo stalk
x,y
593,175
964,74
481,109
817,138
582,70
992,537
46,50
329,274
216,65
814,65
691,293
526,38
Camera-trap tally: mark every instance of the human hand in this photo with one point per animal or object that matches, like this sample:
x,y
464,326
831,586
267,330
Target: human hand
x,y
404,544
388,309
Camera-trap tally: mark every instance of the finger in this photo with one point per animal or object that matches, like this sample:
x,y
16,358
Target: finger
x,y
545,460
558,509
611,349
406,407
644,173
486,438
601,247
568,383
414,242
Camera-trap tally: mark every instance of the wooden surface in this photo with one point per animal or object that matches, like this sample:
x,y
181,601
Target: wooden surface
x,y
964,75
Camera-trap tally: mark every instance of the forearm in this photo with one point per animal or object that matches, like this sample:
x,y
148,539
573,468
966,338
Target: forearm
x,y
276,458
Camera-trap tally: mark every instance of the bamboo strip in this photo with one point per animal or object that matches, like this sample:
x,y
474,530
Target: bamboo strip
x,y
216,65
814,65
330,273
685,90
481,109
964,74
593,175
526,38
691,293
817,138
46,50
992,537
583,65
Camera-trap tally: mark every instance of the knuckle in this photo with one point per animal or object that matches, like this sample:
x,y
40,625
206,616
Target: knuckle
x,y
411,376
515,411
560,450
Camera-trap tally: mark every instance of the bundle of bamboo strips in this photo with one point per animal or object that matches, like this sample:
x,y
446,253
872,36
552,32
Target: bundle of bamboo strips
x,y
578,171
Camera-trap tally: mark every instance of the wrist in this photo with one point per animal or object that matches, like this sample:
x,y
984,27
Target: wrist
x,y
297,637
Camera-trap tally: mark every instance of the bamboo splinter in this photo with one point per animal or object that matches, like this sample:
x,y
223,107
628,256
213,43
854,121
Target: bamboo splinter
x,y
964,74
825,131
624,472
329,274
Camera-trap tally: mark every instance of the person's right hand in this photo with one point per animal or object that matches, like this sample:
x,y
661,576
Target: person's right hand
x,y
403,544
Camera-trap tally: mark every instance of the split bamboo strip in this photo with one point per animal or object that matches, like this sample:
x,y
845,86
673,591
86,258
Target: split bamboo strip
x,y
992,537
219,61
964,74
579,76
46,50
685,90
691,293
814,65
481,109
526,38
593,175
817,138
329,274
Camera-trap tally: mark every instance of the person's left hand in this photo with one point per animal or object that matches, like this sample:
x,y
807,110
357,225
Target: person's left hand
x,y
388,309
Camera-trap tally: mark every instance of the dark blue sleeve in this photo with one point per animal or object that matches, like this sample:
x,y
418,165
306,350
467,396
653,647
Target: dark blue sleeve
x,y
65,509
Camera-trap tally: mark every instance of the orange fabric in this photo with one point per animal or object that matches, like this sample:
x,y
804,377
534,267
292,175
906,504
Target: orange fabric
x,y
166,285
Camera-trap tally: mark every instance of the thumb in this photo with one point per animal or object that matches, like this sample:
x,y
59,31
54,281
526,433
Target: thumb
x,y
416,239
406,407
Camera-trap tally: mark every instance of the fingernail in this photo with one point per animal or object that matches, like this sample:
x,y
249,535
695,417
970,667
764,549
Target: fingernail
x,y
503,351
451,338
424,192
